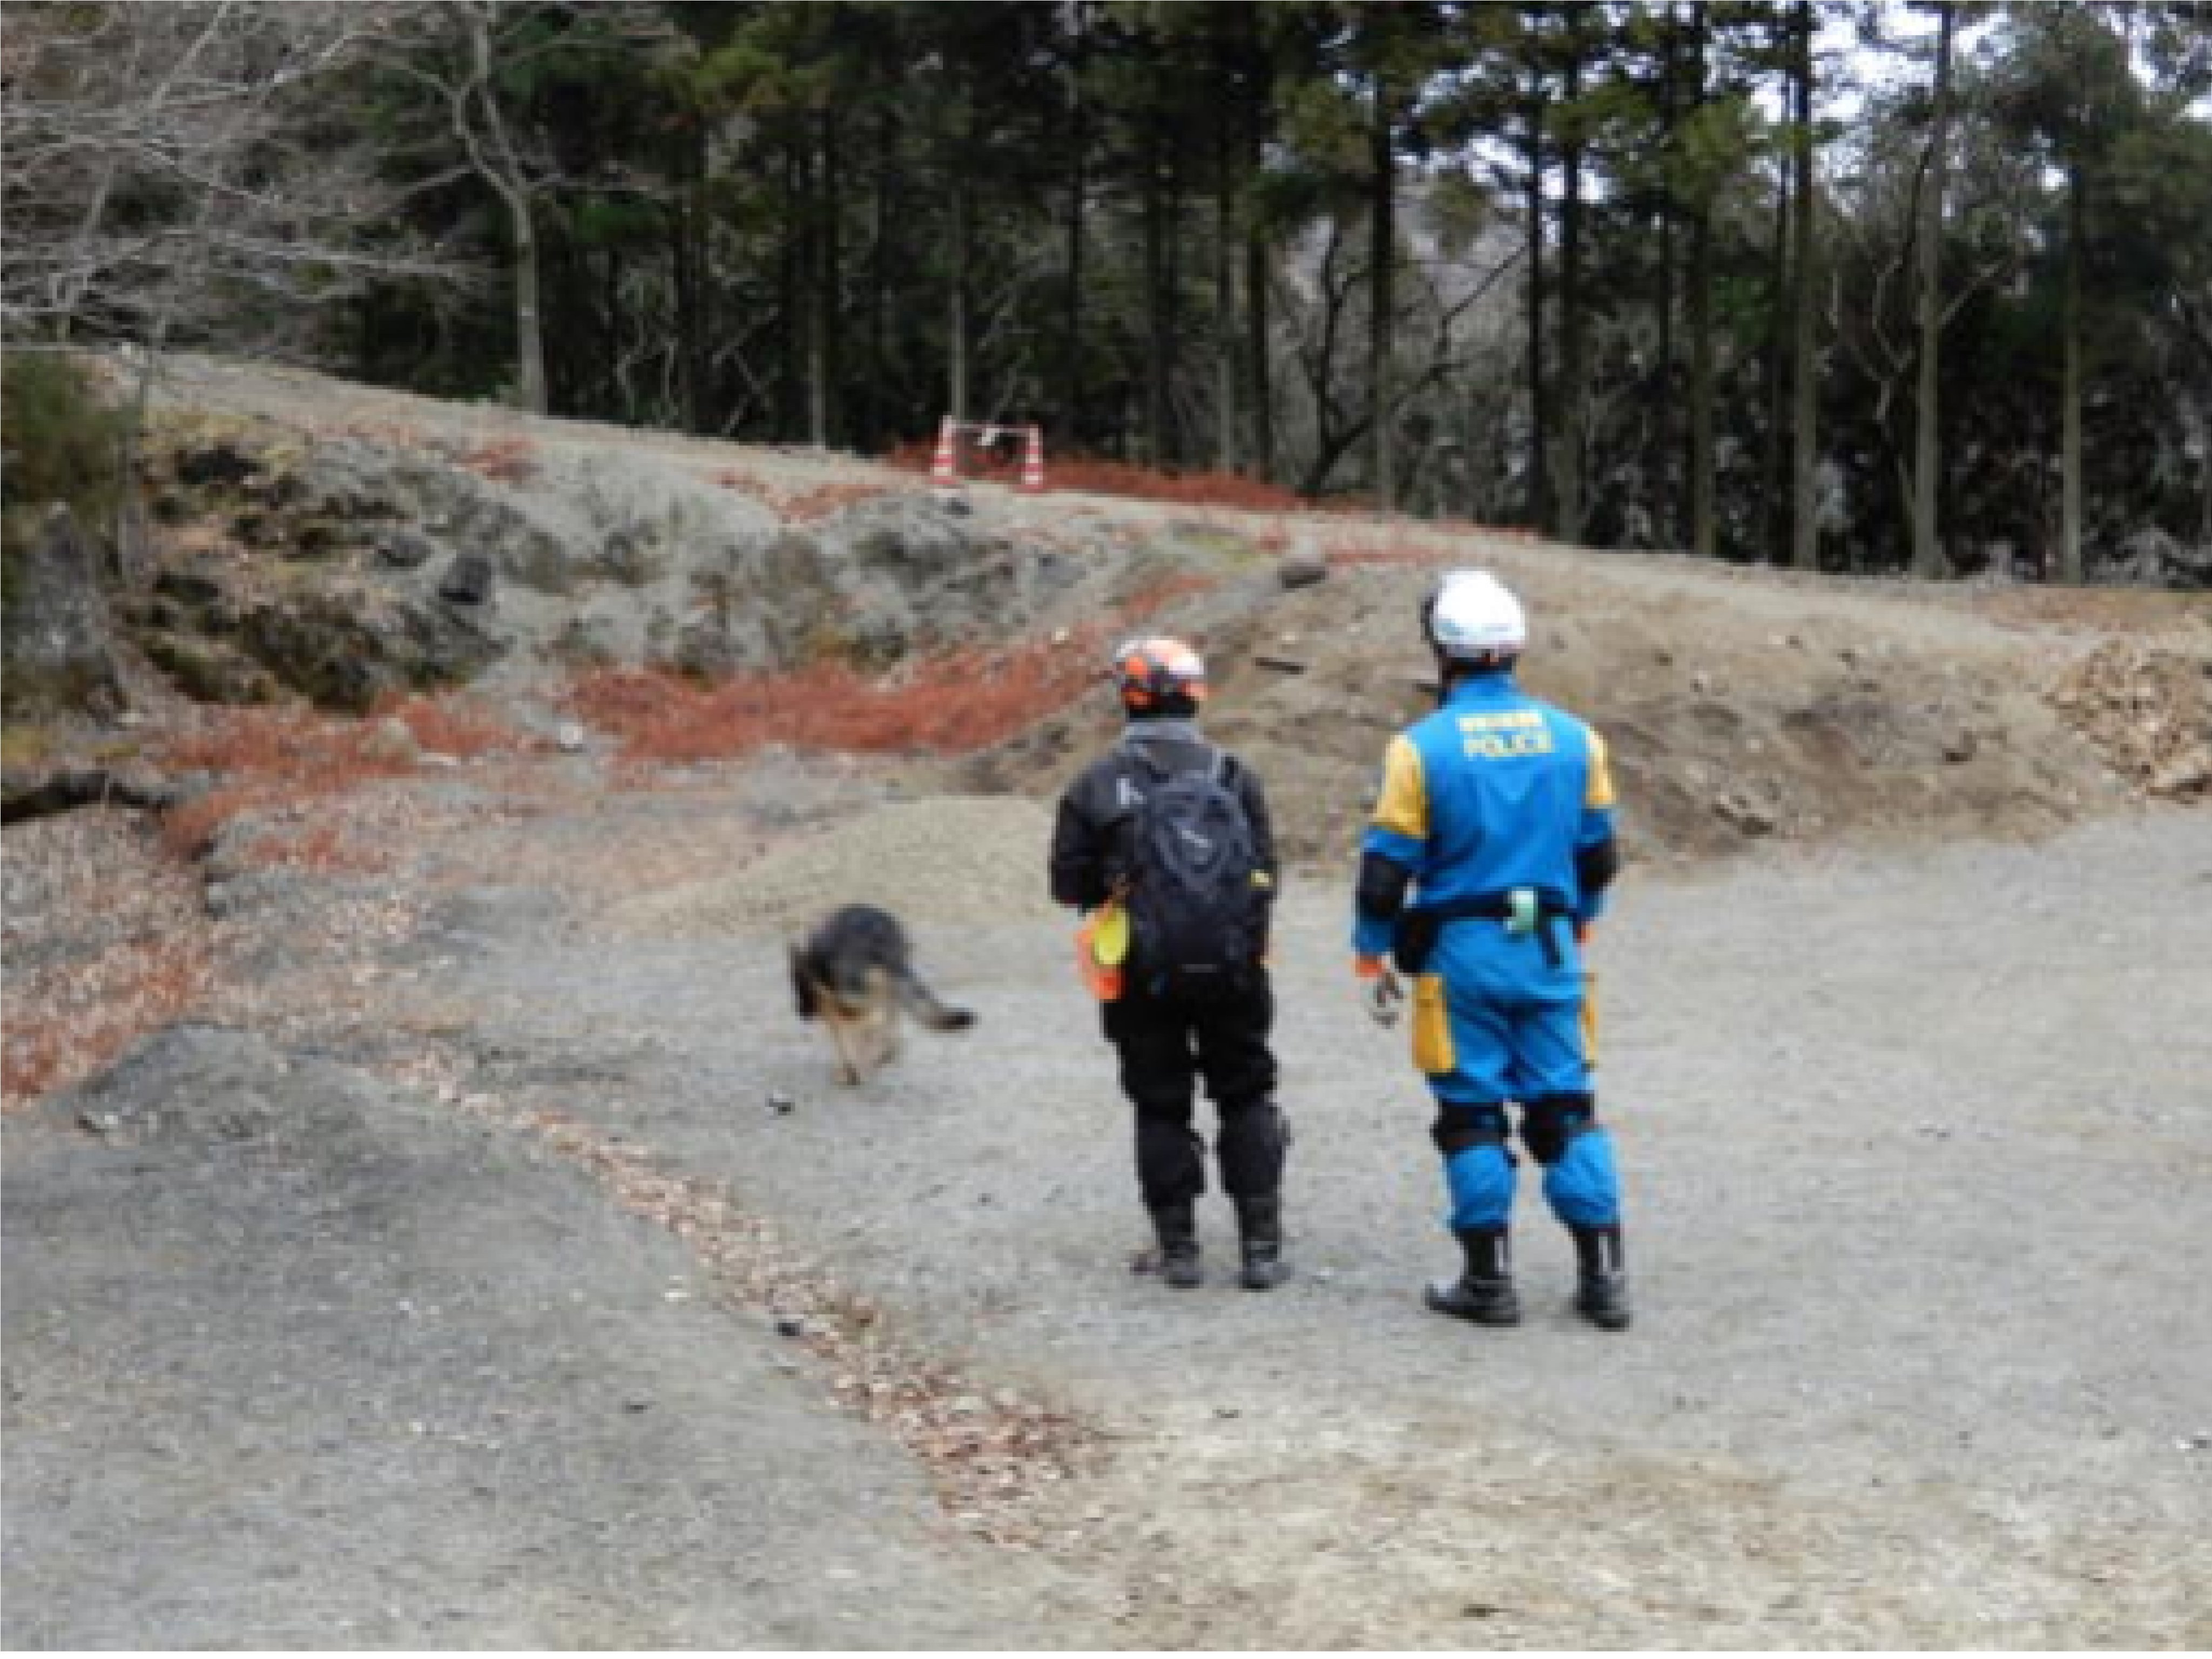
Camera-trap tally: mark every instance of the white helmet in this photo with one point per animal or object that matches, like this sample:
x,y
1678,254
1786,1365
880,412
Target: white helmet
x,y
1471,616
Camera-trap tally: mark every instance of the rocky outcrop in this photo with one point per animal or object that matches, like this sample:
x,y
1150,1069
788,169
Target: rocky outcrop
x,y
59,635
345,647
235,632
871,586
35,791
346,568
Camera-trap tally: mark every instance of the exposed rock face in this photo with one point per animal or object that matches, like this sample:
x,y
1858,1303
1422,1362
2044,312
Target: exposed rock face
x,y
344,649
556,525
404,549
60,637
467,580
349,567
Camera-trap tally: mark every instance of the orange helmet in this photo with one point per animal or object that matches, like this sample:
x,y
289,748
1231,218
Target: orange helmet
x,y
1159,675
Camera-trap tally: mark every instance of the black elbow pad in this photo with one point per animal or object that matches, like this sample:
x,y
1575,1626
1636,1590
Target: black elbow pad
x,y
1382,891
1597,866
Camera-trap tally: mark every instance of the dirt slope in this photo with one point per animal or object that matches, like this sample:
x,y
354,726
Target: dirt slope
x,y
1745,707
1742,708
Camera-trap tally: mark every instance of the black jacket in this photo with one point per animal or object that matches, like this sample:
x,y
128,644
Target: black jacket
x,y
1093,835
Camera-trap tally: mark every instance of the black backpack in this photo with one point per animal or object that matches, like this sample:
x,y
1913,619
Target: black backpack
x,y
1195,915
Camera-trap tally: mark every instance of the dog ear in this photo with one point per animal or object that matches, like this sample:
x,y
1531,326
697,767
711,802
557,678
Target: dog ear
x,y
802,983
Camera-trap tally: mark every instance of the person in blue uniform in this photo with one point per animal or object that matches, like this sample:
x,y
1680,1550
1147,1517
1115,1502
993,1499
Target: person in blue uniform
x,y
1487,859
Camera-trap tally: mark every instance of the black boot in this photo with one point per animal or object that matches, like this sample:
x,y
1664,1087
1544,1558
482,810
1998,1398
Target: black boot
x,y
1483,1292
1601,1293
1175,1225
1259,1233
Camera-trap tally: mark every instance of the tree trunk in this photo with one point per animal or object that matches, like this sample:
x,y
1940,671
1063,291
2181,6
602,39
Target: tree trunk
x,y
1260,388
1570,505
1224,310
793,337
829,282
1774,463
873,420
503,171
1539,459
529,327
813,261
1666,517
1176,445
955,349
1256,83
688,255
1383,303
2069,438
1155,306
1928,561
1068,421
609,399
1704,529
1259,379
1805,368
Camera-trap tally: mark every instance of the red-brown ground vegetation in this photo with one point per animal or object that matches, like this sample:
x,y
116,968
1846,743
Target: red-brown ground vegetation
x,y
949,704
266,757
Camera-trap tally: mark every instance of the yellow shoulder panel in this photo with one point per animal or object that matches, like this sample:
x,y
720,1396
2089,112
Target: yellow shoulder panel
x,y
1403,807
1599,791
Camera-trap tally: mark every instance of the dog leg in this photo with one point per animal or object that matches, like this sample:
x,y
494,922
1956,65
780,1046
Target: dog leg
x,y
847,1044
869,1041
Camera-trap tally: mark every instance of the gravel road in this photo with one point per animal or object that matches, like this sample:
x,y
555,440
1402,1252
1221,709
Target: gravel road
x,y
1914,1146
296,1360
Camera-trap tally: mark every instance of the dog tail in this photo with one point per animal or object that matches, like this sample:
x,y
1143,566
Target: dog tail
x,y
923,1004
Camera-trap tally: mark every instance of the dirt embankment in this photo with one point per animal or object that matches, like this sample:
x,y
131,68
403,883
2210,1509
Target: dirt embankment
x,y
1744,707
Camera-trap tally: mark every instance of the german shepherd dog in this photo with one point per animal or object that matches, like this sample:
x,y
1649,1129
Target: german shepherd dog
x,y
855,974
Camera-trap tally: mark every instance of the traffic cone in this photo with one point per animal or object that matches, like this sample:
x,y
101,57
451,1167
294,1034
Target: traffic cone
x,y
1033,462
942,469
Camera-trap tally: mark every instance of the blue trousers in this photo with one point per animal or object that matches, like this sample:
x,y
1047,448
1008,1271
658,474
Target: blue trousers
x,y
1497,1018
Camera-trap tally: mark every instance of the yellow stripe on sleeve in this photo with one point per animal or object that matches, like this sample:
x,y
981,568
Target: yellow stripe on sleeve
x,y
1403,806
1599,791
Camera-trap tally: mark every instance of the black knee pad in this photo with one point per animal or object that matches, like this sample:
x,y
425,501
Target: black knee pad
x,y
1164,1108
1261,1110
1458,1127
1550,1121
1253,1145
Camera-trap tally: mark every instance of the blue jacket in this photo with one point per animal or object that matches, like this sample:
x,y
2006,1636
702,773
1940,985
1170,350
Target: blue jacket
x,y
1494,790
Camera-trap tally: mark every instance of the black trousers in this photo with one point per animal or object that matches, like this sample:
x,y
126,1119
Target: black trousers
x,y
1166,1045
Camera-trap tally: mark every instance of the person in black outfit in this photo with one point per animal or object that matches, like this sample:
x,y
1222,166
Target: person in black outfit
x,y
1167,1033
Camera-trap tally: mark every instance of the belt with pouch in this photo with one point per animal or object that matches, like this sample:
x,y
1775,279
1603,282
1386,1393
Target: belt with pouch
x,y
1527,912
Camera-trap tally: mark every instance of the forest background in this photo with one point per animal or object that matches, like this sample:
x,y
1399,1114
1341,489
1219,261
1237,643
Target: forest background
x,y
1844,284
